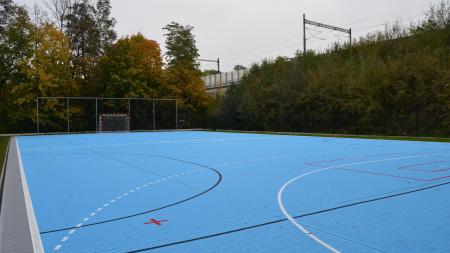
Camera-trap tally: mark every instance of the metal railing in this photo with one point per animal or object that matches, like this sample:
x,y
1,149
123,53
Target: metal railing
x,y
224,80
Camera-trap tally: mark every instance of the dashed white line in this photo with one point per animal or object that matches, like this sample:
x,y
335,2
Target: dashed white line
x,y
65,238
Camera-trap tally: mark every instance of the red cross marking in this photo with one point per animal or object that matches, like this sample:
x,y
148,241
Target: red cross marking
x,y
156,222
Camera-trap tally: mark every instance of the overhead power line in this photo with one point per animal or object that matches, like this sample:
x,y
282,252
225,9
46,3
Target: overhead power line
x,y
323,36
264,52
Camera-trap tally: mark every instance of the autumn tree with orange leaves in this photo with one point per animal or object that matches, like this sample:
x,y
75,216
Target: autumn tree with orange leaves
x,y
132,67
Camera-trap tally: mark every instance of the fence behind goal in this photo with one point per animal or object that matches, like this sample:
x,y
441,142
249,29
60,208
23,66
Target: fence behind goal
x,y
93,114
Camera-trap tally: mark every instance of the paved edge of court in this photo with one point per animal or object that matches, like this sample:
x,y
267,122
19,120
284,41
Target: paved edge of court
x,y
2,176
18,227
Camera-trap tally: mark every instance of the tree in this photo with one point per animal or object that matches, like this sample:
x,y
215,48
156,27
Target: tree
x,y
183,77
180,45
59,10
16,30
84,38
90,32
45,73
7,12
238,67
132,67
105,25
209,72
438,16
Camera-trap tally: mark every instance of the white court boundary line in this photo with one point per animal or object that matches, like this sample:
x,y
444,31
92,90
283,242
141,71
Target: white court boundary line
x,y
34,230
168,141
302,228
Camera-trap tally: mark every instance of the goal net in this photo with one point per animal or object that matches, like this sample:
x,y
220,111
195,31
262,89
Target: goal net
x,y
113,122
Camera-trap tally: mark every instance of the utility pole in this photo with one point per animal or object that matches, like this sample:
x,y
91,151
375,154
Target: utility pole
x,y
350,34
321,25
215,61
304,33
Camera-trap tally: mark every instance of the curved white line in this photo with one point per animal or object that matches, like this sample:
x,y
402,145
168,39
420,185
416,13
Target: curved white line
x,y
302,228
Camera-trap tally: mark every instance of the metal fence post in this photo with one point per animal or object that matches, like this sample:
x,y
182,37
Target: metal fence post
x,y
129,115
96,115
37,115
68,115
154,126
176,114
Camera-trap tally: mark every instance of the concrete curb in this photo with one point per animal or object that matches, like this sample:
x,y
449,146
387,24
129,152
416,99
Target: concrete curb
x,y
19,232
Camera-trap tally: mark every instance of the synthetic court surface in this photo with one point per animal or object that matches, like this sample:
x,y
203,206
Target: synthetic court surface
x,y
230,192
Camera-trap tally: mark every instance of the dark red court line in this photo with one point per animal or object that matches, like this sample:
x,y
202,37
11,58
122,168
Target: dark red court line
x,y
394,176
317,164
409,167
369,172
355,159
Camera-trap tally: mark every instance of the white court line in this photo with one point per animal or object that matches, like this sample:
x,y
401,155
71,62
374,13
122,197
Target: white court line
x,y
187,141
302,228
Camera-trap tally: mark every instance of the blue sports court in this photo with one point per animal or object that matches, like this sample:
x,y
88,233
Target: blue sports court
x,y
198,191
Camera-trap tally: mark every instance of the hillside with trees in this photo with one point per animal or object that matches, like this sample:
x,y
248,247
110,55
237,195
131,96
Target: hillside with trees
x,y
395,82
392,82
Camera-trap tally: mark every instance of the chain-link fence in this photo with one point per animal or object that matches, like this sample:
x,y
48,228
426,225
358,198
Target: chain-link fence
x,y
84,114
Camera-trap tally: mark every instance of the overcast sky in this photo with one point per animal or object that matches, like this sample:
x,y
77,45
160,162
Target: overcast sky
x,y
246,31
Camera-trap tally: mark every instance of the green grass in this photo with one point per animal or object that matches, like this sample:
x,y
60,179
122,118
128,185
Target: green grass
x,y
374,137
3,145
